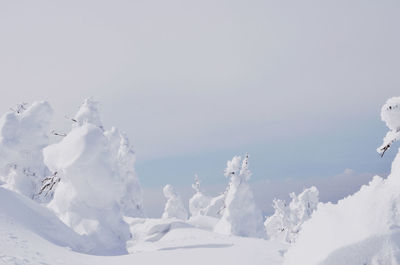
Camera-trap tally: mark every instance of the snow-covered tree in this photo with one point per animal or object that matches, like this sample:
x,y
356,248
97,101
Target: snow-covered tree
x,y
23,135
174,207
199,202
97,183
390,114
286,222
241,216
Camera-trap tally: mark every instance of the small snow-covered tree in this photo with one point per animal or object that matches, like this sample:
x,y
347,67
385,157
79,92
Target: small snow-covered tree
x,y
241,216
199,202
390,114
23,135
286,222
174,207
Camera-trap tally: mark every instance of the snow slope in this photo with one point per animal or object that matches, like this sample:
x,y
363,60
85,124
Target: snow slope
x,y
31,234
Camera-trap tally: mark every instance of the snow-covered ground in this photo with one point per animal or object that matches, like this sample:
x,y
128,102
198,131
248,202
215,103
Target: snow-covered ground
x,y
79,201
31,234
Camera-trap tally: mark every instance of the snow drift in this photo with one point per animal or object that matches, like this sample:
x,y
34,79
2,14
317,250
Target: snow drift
x,y
363,228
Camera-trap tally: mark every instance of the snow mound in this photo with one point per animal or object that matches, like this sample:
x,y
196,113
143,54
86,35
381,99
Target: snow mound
x,y
23,135
241,216
97,184
21,211
362,228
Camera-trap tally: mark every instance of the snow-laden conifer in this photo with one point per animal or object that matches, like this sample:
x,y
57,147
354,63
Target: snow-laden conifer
x,y
23,135
174,207
286,222
241,216
199,202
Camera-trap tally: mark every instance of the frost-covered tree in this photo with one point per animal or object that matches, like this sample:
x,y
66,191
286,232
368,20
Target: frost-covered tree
x,y
23,135
97,183
174,207
390,114
241,216
199,202
286,222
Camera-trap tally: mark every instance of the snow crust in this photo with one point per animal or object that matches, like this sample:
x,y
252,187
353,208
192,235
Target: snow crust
x,y
23,135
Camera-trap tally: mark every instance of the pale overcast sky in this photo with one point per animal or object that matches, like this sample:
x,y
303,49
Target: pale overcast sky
x,y
297,84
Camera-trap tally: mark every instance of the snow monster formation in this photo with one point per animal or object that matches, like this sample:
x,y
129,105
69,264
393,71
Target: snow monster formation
x,y
23,135
241,217
174,207
95,181
363,228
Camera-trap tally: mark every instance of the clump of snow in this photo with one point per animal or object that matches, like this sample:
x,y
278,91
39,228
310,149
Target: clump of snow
x,y
216,207
23,135
97,185
286,222
363,228
174,207
199,202
390,114
241,216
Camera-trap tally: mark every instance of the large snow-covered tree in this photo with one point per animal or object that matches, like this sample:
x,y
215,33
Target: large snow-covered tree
x,y
286,222
174,207
98,185
23,135
241,216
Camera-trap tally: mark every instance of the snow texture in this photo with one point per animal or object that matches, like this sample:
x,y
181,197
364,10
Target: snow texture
x,y
97,183
174,207
23,135
286,222
241,216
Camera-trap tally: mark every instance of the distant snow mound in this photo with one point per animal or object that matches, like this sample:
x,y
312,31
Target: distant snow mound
x,y
174,207
363,228
98,185
23,135
241,216
286,222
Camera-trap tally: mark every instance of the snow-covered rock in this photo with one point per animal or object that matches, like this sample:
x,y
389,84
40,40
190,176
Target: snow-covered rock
x,y
97,184
174,206
241,216
286,222
23,135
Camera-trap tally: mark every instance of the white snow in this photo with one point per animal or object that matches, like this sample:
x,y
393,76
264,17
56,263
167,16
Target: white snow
x,y
286,222
23,135
96,211
174,206
241,216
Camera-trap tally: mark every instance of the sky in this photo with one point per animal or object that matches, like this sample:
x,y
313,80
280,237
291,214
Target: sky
x,y
296,84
